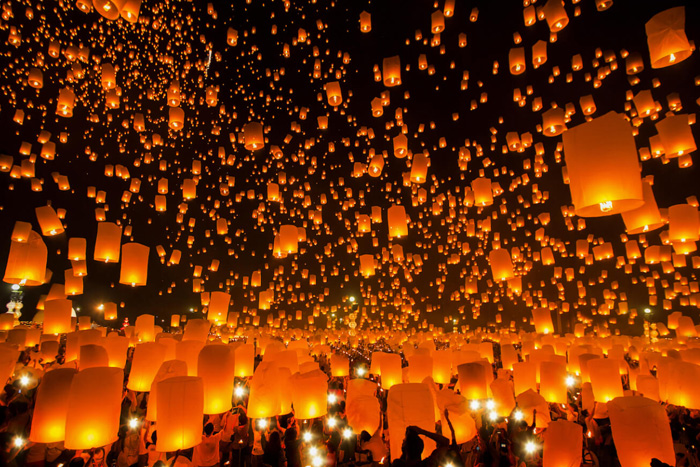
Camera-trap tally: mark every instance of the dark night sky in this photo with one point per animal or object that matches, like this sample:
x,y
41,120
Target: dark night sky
x,y
257,83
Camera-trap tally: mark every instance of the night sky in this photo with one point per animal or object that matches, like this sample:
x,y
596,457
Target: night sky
x,y
322,174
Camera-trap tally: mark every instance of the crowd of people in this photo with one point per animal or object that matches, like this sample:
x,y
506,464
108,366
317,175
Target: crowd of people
x,y
233,439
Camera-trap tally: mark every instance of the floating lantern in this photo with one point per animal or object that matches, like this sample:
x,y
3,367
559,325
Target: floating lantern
x,y
108,242
216,369
391,71
147,360
134,270
26,262
180,412
253,136
51,406
666,38
562,444
309,394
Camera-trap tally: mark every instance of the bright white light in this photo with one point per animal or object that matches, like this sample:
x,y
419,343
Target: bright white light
x,y
313,450
331,422
15,287
317,461
570,381
474,405
19,442
360,371
518,415
24,380
347,433
352,299
530,447
493,416
133,423
262,423
332,399
490,404
307,436
239,391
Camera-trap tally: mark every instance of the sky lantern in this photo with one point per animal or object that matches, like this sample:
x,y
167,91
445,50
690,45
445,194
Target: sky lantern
x,y
472,380
542,319
218,307
555,15
640,431
108,242
483,194
176,118
289,239
244,355
391,71
334,94
400,142
553,382
76,248
180,412
253,136
309,394
398,221
437,22
26,262
130,11
516,60
109,77
144,327
501,265
682,384
409,404
605,379
21,231
683,223
562,444
601,158
554,121
49,221
110,9
676,135
216,369
340,365
666,38
419,367
134,268
645,218
148,357
92,356
94,404
51,406
116,347
367,265
390,366
35,78
264,396
65,102
57,316
365,22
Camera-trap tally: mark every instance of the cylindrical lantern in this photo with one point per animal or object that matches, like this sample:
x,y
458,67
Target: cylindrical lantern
x,y
51,406
601,157
57,316
264,395
253,136
176,118
501,265
180,413
553,382
116,347
340,365
554,122
483,194
683,223
390,367
134,268
48,221
676,136
147,359
107,242
555,15
244,357
605,379
26,263
215,368
92,356
94,406
334,94
562,444
391,71
645,218
309,394
472,380
398,222
542,319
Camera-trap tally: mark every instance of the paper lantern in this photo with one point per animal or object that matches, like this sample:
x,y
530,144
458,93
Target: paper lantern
x,y
682,386
542,319
108,242
362,413
501,265
130,11
309,394
35,78
640,431
197,329
555,15
264,395
180,413
390,367
419,368
397,220
218,307
51,406
65,102
553,382
605,379
554,122
57,316
562,444
116,347
188,352
645,218
169,369
92,356
49,221
437,22
340,365
683,223
675,135
215,368
145,364
409,404
516,60
110,311
442,366
145,328
483,194
460,418
391,71
110,9
365,22
289,239
94,406
367,265
253,136
666,38
176,118
244,357
524,377
648,386
472,380
334,94
601,158
400,143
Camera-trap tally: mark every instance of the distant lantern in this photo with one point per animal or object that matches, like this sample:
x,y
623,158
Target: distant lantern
x,y
419,168
516,60
555,15
391,71
289,239
666,38
35,78
501,265
180,412
253,136
400,142
134,270
76,248
676,135
57,316
483,194
110,9
340,365
683,223
397,220
147,360
109,77
601,158
365,22
65,102
51,406
334,94
49,221
108,242
554,121
367,265
232,37
634,63
645,218
26,262
216,368
176,118
218,307
130,11
542,319
110,311
94,405
539,53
